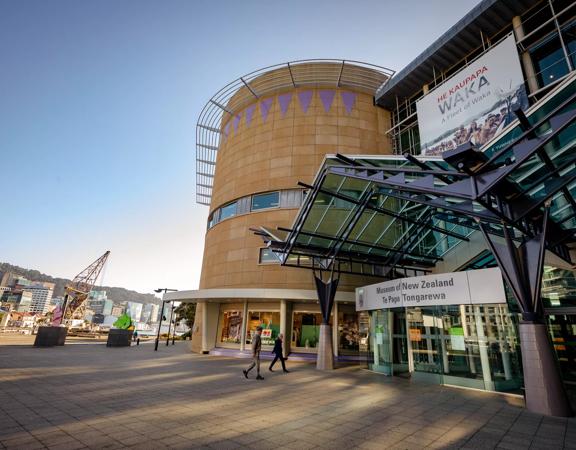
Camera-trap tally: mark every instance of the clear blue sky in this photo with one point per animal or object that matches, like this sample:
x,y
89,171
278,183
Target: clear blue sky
x,y
98,106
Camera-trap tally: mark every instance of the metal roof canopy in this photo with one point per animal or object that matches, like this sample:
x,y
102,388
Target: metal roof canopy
x,y
519,192
234,97
488,18
396,216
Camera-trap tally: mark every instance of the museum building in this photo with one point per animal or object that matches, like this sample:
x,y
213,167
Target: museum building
x,y
426,218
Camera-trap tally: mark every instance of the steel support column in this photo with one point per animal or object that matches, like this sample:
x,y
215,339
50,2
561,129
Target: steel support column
x,y
326,291
522,268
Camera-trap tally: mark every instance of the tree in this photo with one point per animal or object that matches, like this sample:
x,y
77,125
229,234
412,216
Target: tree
x,y
186,312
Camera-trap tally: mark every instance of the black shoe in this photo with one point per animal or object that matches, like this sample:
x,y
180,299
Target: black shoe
x,y
259,377
286,371
270,369
245,373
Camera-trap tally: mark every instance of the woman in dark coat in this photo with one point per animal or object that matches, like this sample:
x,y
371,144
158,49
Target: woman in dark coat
x,y
278,353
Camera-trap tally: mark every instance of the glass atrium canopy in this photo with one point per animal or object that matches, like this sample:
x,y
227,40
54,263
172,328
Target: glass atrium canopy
x,y
391,216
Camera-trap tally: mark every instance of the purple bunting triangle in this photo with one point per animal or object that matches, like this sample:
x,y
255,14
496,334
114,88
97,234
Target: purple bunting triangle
x,y
327,97
249,113
284,101
237,122
265,108
348,98
227,129
305,98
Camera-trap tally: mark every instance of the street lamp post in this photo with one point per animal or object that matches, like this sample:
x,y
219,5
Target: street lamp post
x,y
170,324
162,316
174,329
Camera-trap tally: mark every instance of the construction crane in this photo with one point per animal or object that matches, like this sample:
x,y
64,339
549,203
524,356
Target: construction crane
x,y
77,292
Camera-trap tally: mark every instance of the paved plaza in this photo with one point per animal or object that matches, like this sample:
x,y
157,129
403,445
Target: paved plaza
x,y
91,396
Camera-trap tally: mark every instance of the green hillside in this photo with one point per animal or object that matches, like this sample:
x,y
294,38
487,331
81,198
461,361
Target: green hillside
x,y
117,294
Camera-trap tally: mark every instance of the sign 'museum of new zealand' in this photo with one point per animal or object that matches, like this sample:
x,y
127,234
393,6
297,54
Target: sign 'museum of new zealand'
x,y
456,288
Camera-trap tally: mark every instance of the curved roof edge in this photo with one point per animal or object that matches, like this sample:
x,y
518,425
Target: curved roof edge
x,y
266,81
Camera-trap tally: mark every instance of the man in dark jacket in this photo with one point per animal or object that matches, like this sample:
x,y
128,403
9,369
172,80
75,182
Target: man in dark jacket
x,y
278,352
256,347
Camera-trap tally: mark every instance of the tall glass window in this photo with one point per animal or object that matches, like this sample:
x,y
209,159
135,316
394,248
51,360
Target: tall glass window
x,y
563,332
264,201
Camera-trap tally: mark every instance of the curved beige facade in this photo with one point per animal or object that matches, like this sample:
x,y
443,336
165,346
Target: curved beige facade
x,y
275,129
273,154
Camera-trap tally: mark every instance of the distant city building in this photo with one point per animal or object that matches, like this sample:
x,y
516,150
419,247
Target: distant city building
x,y
4,292
97,295
150,313
4,317
99,303
10,279
98,319
41,296
21,320
23,300
134,310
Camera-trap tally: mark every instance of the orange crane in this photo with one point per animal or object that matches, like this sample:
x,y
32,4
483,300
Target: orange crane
x,y
78,290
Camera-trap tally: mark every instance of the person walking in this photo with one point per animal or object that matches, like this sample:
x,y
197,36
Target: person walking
x,y
256,347
278,352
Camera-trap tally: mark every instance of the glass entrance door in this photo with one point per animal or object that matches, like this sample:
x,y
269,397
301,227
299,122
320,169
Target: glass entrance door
x,y
399,342
381,331
424,336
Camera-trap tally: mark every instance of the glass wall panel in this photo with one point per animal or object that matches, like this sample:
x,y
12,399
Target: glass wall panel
x,y
464,345
268,320
558,288
569,36
562,329
230,326
399,341
549,61
423,333
381,342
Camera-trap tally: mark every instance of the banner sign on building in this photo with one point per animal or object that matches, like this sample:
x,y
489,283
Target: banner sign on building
x,y
472,287
475,104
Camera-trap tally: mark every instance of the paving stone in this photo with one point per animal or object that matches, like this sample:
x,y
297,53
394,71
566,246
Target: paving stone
x,y
82,395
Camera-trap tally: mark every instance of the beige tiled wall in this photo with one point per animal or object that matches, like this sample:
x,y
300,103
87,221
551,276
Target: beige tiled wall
x,y
276,155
